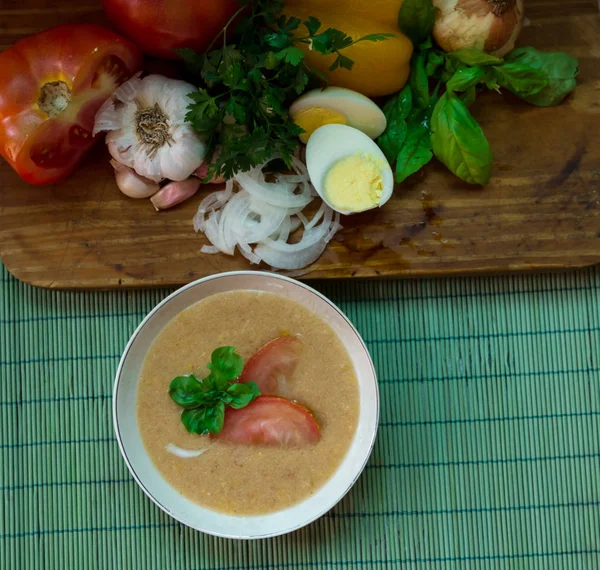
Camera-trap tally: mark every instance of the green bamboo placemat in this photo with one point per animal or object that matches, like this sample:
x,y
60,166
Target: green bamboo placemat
x,y
488,454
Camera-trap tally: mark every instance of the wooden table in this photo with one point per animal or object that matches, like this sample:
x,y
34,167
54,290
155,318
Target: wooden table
x,y
541,210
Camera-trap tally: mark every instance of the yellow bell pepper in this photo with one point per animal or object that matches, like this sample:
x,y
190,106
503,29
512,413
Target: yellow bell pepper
x,y
380,68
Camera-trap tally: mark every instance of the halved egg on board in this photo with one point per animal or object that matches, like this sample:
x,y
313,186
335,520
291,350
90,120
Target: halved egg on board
x,y
348,169
337,105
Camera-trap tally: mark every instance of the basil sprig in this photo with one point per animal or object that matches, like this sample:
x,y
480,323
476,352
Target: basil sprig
x,y
430,116
204,401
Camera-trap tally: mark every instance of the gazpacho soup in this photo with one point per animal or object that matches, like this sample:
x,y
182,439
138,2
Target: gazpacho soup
x,y
247,402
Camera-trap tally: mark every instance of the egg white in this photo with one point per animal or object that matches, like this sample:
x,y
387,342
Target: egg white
x,y
361,113
331,143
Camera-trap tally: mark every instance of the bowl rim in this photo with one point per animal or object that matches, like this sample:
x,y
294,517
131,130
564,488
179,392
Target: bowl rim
x,y
136,477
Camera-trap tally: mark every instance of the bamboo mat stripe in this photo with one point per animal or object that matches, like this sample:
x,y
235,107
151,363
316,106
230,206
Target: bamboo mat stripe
x,y
488,454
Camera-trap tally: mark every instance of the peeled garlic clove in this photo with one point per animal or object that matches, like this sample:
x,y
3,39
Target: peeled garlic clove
x,y
131,183
175,192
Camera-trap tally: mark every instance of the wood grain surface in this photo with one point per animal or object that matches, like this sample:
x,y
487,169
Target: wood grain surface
x,y
541,209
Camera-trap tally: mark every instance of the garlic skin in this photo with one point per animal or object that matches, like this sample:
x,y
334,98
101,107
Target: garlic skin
x,y
492,26
131,183
147,131
175,192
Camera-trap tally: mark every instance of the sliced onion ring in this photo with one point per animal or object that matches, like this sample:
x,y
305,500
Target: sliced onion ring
x,y
265,214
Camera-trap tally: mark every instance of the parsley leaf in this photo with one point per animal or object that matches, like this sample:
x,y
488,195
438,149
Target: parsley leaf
x,y
291,55
312,25
331,40
375,38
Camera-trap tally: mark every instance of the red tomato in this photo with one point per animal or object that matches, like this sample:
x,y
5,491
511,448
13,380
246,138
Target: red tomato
x,y
160,26
51,85
270,420
273,361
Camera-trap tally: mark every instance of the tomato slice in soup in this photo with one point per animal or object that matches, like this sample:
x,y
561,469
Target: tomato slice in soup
x,y
274,361
270,420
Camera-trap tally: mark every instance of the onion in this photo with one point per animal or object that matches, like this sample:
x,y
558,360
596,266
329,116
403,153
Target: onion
x,y
266,213
295,223
284,229
492,26
247,252
298,255
276,194
184,453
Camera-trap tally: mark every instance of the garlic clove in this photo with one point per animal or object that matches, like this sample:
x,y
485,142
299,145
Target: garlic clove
x,y
147,166
179,161
131,183
202,171
120,147
175,192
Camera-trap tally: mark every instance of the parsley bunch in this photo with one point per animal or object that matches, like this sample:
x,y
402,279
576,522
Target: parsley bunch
x,y
204,401
249,82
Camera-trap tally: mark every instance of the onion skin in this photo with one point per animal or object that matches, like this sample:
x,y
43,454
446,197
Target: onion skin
x,y
492,26
175,192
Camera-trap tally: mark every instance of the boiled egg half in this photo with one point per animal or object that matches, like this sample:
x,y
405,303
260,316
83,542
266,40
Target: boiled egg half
x,y
348,169
337,105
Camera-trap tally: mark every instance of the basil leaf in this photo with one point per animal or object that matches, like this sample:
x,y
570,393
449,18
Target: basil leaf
x,y
560,68
434,61
415,152
427,44
416,19
215,418
465,78
451,66
225,364
490,79
242,394
474,57
399,106
186,391
396,110
209,384
458,141
419,82
195,421
392,139
468,97
522,80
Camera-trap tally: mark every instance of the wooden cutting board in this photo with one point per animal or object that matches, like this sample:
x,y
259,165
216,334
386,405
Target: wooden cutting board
x,y
541,209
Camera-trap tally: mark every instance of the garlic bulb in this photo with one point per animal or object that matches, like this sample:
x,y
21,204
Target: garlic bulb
x,y
147,129
492,26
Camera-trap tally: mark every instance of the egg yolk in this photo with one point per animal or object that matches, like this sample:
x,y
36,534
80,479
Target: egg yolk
x,y
354,183
314,117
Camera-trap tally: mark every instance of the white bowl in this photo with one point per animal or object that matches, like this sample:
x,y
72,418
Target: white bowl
x,y
147,475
